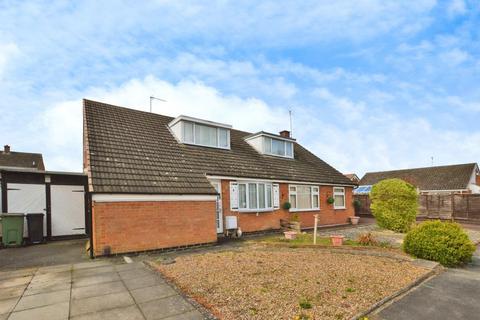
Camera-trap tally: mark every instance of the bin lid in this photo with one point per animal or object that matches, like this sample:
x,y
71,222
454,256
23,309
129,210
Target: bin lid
x,y
11,214
34,214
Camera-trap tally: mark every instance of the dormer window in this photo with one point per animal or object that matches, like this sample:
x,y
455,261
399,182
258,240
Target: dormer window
x,y
201,132
270,144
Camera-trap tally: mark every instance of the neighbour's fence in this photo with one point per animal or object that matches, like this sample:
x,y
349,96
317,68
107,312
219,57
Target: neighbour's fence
x,y
461,207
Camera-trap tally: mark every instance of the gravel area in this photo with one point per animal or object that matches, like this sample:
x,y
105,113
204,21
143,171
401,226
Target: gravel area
x,y
283,283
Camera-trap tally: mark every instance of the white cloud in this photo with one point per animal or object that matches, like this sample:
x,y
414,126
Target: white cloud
x,y
369,139
456,8
7,52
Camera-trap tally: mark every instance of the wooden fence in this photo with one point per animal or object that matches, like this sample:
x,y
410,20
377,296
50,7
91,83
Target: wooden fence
x,y
461,207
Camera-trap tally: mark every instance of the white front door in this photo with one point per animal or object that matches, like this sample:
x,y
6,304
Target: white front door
x,y
219,216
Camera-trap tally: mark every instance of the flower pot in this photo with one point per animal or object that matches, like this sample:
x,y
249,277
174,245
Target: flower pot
x,y
290,235
354,220
337,240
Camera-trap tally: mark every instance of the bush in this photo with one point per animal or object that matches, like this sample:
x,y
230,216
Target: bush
x,y
394,204
445,242
367,239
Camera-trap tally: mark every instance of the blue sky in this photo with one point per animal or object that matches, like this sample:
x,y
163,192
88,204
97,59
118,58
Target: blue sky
x,y
373,85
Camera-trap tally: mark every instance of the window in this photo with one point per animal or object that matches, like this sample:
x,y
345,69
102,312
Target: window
x,y
278,147
255,196
339,196
204,135
304,197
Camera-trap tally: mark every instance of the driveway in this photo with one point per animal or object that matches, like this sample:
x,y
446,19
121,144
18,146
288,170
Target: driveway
x,y
52,253
451,295
100,289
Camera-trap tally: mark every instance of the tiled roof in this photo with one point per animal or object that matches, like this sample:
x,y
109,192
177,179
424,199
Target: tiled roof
x,y
132,151
24,160
452,177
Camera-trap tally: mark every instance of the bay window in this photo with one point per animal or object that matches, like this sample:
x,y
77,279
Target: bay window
x,y
304,197
339,197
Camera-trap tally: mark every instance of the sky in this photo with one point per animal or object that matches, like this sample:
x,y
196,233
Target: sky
x,y
372,84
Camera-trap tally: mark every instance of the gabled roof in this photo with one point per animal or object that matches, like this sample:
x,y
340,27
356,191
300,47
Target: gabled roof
x,y
352,176
131,151
452,177
25,160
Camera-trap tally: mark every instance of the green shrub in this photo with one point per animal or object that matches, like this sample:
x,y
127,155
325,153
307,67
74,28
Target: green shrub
x,y
394,204
304,303
445,242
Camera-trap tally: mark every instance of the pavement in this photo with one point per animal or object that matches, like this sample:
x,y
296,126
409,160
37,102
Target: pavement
x,y
452,294
100,289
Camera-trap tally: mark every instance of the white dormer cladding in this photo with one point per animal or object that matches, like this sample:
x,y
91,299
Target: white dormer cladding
x,y
200,132
271,144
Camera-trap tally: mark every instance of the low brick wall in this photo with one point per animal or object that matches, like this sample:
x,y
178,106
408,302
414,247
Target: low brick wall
x,y
120,227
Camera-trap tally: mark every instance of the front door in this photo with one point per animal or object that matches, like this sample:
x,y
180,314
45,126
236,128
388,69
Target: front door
x,y
219,213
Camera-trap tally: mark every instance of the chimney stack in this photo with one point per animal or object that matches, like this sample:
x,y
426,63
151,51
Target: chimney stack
x,y
285,133
6,148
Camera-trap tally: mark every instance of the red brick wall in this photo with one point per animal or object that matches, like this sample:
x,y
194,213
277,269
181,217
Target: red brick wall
x,y
138,226
249,222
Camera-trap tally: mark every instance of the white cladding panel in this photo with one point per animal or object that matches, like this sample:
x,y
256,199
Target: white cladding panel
x,y
68,210
27,198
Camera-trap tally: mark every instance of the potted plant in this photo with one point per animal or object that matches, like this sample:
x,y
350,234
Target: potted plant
x,y
337,240
330,200
294,222
354,220
286,205
357,204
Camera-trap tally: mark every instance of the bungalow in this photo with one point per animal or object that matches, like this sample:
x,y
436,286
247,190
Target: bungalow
x,y
458,179
160,182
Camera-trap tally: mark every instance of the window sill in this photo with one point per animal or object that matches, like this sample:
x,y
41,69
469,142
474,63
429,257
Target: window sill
x,y
304,210
339,208
257,211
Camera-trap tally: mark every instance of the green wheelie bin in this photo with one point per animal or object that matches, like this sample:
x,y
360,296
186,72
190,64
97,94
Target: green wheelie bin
x,y
12,229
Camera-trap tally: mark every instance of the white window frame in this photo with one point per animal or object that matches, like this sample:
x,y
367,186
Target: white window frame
x,y
339,193
312,194
205,145
247,199
285,142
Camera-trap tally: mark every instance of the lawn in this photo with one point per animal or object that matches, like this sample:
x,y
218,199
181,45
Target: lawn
x,y
302,238
258,282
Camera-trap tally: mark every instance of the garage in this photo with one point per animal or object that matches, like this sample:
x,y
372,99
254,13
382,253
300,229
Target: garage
x,y
59,196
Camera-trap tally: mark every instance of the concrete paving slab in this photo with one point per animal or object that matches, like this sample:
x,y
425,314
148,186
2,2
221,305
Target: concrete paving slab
x,y
12,292
135,273
152,293
126,313
95,279
146,281
425,263
96,304
47,287
57,311
54,276
14,282
87,272
4,316
7,305
42,299
91,264
129,266
98,290
16,273
54,269
191,315
167,307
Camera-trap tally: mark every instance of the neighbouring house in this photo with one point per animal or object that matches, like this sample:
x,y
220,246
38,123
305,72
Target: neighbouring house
x,y
20,160
161,182
26,187
353,177
458,179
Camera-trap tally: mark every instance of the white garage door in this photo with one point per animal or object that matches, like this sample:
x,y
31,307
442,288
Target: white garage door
x,y
27,198
68,210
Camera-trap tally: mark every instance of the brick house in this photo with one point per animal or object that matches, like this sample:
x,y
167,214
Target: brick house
x,y
160,182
